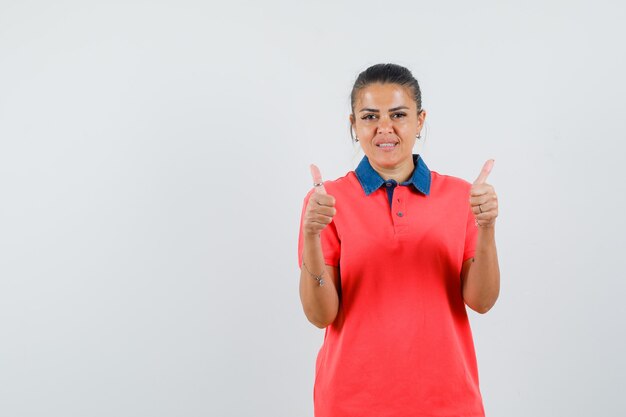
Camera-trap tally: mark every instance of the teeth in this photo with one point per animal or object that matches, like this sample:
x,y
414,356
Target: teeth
x,y
386,145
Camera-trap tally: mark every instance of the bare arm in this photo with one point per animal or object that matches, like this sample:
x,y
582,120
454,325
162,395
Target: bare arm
x,y
320,303
480,275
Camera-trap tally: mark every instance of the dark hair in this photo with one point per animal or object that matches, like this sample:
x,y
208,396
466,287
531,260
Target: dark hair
x,y
386,74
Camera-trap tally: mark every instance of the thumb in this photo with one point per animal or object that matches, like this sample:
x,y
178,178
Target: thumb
x,y
482,178
317,180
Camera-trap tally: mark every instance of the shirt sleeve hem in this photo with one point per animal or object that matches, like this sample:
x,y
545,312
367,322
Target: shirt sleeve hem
x,y
468,255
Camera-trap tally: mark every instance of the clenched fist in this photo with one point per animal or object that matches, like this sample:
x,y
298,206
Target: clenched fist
x,y
483,198
321,207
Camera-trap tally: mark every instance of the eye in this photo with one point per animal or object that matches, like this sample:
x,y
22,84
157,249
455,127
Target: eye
x,y
399,115
368,117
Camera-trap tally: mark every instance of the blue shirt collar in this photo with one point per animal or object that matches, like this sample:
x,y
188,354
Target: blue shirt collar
x,y
371,181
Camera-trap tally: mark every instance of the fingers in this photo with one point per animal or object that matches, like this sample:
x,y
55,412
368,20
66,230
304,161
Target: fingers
x,y
321,206
319,212
484,173
326,209
481,189
324,199
483,198
487,218
317,180
322,220
485,207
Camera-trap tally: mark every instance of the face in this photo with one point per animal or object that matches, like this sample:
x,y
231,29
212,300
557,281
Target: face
x,y
386,122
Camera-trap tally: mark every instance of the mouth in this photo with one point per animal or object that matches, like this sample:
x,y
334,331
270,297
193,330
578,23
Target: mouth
x,y
387,145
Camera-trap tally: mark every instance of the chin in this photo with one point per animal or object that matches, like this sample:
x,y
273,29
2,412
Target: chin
x,y
389,161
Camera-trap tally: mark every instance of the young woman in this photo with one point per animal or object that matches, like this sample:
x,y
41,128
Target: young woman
x,y
390,254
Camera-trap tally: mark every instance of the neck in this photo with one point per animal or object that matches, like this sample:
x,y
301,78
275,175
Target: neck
x,y
400,173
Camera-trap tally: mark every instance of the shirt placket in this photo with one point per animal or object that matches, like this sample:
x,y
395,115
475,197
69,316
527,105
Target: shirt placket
x,y
398,210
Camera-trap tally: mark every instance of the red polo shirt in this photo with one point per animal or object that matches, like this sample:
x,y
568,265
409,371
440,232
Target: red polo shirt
x,y
401,344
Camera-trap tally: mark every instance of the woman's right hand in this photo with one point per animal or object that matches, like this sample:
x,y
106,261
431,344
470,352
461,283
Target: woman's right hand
x,y
321,207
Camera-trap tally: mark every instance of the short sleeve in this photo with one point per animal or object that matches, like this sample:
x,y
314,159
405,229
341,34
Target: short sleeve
x,y
471,234
331,247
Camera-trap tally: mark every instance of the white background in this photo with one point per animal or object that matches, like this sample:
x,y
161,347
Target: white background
x,y
154,158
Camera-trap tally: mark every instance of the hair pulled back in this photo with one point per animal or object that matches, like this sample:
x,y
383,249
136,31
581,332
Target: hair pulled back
x,y
386,74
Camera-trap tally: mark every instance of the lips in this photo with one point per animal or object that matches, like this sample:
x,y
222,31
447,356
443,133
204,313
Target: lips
x,y
386,143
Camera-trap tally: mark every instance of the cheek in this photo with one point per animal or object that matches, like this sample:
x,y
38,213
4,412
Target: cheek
x,y
408,130
366,131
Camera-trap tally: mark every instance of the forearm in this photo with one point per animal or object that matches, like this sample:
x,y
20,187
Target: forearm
x,y
482,284
320,303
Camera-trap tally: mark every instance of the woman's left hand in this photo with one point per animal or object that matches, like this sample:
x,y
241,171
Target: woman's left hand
x,y
483,198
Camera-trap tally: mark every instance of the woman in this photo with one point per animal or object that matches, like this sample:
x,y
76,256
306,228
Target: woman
x,y
390,254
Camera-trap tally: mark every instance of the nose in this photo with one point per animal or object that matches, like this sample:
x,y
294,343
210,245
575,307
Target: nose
x,y
384,125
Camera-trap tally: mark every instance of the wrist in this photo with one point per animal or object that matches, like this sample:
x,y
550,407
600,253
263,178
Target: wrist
x,y
486,233
312,237
480,225
318,277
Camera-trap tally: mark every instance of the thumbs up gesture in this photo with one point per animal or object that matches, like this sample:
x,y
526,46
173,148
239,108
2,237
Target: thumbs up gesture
x,y
321,207
483,198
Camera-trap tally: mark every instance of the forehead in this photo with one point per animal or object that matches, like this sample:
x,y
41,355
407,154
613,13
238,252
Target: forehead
x,y
384,96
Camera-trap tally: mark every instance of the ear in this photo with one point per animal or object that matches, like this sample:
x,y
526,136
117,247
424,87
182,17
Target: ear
x,y
420,120
351,118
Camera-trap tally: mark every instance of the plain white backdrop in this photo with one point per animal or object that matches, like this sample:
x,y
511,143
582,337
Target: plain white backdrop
x,y
154,159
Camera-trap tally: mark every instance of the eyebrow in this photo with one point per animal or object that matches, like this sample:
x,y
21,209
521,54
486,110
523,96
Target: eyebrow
x,y
377,111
